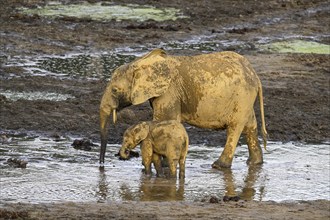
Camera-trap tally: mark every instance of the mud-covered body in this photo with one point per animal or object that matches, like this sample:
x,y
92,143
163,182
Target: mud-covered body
x,y
157,139
215,91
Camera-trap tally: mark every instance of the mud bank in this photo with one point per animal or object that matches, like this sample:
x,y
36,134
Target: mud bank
x,y
169,210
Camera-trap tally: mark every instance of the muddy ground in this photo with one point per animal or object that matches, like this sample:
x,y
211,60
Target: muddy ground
x,y
296,89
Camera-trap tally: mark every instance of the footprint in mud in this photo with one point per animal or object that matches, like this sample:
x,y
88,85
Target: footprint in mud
x,y
214,199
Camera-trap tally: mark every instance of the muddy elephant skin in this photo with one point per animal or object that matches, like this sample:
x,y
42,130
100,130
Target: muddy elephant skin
x,y
214,91
165,138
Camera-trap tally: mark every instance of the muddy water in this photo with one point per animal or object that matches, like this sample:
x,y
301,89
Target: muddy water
x,y
90,66
14,96
58,172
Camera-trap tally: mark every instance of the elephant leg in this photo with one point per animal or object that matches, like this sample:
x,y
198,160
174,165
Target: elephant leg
x,y
255,151
182,167
146,152
147,166
172,165
182,160
156,159
226,158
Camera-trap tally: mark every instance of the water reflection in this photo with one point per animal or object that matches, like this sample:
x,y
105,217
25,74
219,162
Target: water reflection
x,y
154,188
161,189
102,191
248,191
149,189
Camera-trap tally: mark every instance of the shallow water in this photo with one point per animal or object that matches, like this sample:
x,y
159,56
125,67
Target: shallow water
x,y
14,96
58,172
90,66
98,65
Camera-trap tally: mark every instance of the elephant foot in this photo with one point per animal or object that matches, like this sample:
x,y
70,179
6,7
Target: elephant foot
x,y
252,161
160,174
101,168
218,164
147,174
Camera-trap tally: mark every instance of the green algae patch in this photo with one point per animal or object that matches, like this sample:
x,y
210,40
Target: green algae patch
x,y
102,12
297,46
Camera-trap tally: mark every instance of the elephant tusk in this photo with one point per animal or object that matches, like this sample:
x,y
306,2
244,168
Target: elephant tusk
x,y
114,116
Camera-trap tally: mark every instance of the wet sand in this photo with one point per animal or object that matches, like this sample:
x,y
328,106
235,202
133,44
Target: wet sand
x,y
170,210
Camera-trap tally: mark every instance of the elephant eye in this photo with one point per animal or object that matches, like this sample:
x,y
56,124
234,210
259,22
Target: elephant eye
x,y
114,90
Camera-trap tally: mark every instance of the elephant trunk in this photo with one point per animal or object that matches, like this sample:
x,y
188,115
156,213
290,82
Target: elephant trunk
x,y
124,153
104,122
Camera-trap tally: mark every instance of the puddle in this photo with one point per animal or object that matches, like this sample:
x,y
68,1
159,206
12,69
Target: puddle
x,y
107,12
14,96
98,65
58,172
208,44
297,46
91,66
85,65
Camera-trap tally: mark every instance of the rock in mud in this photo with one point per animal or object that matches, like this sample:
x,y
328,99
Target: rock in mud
x,y
231,198
16,163
4,139
3,98
214,199
83,144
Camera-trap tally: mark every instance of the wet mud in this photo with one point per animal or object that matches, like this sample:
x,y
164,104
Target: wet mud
x,y
34,48
295,85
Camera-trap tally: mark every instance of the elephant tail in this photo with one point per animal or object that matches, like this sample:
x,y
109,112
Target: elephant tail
x,y
261,102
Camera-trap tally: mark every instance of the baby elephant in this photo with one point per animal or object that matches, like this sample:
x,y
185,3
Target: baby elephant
x,y
165,138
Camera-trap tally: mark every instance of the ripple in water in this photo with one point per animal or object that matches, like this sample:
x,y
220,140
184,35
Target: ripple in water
x,y
58,172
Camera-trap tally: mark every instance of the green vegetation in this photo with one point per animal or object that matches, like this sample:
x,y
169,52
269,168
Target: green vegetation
x,y
101,12
297,46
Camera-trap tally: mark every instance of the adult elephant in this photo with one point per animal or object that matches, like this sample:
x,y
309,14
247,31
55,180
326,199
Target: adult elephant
x,y
214,91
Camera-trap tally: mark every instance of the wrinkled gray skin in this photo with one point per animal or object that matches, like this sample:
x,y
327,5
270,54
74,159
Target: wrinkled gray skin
x,y
157,139
214,91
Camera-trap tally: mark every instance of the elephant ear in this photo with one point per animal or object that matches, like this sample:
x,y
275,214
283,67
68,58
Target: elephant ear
x,y
151,77
141,131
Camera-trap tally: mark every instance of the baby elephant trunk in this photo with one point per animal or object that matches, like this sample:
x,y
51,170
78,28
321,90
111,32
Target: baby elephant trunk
x,y
124,153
